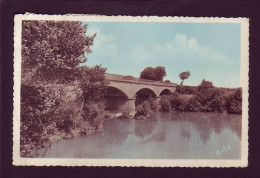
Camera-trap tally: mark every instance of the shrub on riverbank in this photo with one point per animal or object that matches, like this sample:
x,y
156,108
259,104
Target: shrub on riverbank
x,y
145,110
207,101
234,102
47,114
55,111
176,101
165,105
207,98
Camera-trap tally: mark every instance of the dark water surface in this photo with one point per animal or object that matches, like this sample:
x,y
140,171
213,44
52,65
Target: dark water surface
x,y
179,135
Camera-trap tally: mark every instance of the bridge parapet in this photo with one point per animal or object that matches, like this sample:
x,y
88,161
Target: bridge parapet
x,y
131,79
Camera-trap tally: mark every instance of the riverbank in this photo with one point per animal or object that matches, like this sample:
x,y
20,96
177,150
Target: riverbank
x,y
54,110
207,100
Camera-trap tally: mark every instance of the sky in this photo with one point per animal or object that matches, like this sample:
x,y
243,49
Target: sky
x,y
210,51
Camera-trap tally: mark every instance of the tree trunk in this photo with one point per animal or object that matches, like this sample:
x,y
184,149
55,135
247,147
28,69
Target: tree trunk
x,y
181,86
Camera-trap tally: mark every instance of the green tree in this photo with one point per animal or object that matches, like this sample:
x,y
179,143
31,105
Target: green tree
x,y
53,48
205,85
93,83
148,73
157,73
59,98
234,102
183,76
160,73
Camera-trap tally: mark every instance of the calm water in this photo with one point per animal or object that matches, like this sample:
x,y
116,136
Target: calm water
x,y
169,135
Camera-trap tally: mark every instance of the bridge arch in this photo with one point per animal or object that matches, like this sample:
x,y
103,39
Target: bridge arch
x,y
130,90
165,92
144,94
114,99
114,91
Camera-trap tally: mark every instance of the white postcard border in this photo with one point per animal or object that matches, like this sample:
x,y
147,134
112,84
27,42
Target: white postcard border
x,y
244,78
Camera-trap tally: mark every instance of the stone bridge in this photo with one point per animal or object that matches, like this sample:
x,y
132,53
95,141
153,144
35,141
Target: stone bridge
x,y
126,92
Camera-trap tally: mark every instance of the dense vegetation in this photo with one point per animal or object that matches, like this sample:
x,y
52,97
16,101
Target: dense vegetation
x,y
59,98
204,98
146,110
157,73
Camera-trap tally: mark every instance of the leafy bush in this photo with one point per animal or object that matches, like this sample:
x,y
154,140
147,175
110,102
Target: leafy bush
x,y
210,100
94,113
188,90
55,111
234,102
205,85
165,105
175,101
32,105
194,105
145,110
93,83
207,99
217,103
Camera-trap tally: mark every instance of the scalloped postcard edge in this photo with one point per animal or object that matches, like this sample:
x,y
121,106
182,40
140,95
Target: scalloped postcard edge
x,y
244,82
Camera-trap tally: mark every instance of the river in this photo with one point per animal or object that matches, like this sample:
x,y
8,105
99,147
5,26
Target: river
x,y
179,135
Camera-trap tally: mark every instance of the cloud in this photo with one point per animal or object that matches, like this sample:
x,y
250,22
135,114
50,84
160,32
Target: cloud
x,y
179,48
178,53
204,51
104,43
182,45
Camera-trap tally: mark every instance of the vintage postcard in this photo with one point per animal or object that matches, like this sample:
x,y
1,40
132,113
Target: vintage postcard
x,y
93,90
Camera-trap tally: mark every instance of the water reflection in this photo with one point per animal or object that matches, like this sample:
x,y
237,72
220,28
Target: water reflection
x,y
169,135
144,127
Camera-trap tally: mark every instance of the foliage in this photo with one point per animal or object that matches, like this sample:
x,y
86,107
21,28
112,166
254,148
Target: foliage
x,y
205,85
188,90
234,102
145,110
160,73
47,110
148,73
157,73
183,76
94,113
165,105
59,99
210,100
207,99
32,105
53,49
175,101
93,83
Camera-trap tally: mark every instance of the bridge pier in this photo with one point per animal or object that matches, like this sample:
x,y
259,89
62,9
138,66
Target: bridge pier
x,y
129,105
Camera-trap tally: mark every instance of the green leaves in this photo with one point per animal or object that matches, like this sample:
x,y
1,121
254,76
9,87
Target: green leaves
x,y
157,73
57,45
59,99
184,75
